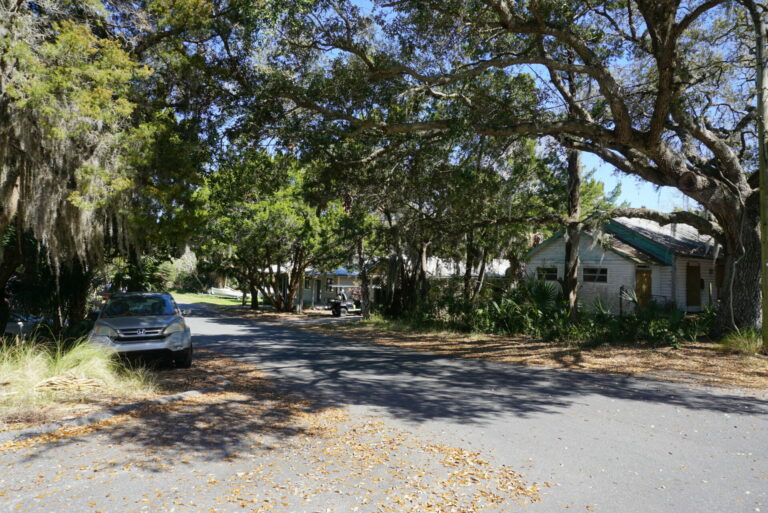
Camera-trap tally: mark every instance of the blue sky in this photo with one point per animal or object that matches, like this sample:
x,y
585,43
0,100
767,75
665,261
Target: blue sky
x,y
636,192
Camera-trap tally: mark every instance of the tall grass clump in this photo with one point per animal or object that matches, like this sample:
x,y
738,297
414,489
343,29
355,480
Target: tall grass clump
x,y
37,376
744,342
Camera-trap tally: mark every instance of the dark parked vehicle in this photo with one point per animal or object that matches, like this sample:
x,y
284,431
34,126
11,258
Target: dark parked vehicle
x,y
343,304
20,324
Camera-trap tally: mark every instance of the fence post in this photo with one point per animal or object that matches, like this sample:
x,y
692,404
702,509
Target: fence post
x,y
621,301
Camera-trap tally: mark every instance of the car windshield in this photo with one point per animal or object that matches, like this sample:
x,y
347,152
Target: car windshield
x,y
139,305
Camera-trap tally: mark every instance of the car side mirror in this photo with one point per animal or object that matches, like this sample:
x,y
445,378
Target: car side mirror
x,y
186,312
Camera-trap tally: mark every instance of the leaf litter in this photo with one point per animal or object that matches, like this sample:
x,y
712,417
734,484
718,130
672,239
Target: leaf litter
x,y
269,451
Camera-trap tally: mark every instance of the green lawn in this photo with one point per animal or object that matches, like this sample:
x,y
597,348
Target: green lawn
x,y
204,299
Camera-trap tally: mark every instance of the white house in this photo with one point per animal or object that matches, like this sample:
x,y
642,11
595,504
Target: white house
x,y
319,287
442,268
672,263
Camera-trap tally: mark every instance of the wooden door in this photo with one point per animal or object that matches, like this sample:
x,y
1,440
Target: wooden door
x,y
693,285
643,287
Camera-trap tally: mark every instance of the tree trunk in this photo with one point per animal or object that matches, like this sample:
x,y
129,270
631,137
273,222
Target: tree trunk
x,y
423,279
761,83
469,263
740,305
78,288
480,277
11,259
391,284
572,235
300,293
254,295
365,293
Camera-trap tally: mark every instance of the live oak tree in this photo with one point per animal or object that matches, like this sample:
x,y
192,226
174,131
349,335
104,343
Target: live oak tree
x,y
671,87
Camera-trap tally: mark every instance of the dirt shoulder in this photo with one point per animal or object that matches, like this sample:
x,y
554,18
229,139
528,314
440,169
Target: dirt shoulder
x,y
77,402
698,363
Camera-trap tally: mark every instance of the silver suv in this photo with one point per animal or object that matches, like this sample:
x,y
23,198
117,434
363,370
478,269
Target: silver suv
x,y
144,322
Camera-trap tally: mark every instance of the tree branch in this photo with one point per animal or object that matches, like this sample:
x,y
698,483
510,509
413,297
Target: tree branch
x,y
704,226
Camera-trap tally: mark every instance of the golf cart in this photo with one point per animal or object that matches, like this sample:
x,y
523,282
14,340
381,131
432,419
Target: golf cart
x,y
344,303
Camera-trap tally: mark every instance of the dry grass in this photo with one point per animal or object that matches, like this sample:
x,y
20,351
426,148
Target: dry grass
x,y
72,396
693,363
40,383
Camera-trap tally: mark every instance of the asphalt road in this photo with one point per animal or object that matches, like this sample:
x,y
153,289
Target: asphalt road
x,y
600,443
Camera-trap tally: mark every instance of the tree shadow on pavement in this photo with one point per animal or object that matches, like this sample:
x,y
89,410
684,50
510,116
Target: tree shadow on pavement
x,y
418,386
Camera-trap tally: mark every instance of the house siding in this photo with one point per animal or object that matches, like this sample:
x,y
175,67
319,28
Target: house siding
x,y
621,272
661,283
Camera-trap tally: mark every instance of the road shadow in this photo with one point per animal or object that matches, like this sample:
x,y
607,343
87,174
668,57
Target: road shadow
x,y
419,386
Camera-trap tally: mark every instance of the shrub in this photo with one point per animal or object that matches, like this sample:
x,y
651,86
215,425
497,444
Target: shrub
x,y
744,342
533,307
538,309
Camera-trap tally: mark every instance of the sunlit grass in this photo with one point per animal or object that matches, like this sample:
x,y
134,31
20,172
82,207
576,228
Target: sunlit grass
x,y
744,342
35,377
204,299
379,322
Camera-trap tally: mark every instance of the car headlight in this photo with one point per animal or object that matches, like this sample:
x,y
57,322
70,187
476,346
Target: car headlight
x,y
101,330
176,327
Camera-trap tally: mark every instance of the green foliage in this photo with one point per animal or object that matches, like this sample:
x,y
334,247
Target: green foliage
x,y
537,309
261,227
745,342
141,274
74,80
532,307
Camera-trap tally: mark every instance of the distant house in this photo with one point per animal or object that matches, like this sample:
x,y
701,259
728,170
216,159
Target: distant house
x,y
442,268
672,263
320,286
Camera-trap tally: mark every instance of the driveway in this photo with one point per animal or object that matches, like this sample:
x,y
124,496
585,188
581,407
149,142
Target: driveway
x,y
590,442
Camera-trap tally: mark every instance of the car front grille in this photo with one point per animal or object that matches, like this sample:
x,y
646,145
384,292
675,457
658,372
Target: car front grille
x,y
140,334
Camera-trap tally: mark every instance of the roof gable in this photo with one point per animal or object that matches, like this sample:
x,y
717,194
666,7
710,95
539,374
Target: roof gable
x,y
614,245
638,241
667,240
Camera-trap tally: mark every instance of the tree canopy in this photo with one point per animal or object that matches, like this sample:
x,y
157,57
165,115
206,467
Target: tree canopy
x,y
306,132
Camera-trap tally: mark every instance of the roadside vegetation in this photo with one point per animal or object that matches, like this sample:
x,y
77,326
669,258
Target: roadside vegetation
x,y
38,379
538,309
745,342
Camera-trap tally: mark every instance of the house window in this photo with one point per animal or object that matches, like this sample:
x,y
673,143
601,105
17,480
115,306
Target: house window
x,y
546,273
596,274
329,284
307,283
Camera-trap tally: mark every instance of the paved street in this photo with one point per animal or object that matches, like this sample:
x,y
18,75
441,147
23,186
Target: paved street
x,y
588,442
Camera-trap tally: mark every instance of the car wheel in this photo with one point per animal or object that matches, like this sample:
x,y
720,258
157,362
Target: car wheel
x,y
183,359
343,312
